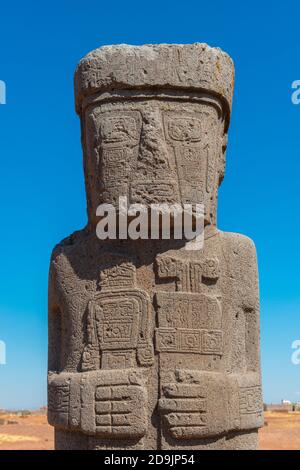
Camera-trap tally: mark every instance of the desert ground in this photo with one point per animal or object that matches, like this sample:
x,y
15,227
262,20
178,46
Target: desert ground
x,y
31,432
281,431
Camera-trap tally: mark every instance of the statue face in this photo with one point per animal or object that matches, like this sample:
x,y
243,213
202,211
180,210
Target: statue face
x,y
153,151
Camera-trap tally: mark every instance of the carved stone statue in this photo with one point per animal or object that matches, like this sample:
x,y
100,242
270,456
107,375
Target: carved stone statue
x,y
152,346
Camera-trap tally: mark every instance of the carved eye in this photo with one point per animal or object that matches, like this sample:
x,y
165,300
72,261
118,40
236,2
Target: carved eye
x,y
185,129
118,129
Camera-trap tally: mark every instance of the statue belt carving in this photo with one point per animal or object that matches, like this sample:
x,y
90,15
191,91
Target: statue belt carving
x,y
193,405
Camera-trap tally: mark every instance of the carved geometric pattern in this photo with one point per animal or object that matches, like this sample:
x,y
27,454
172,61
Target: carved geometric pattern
x,y
121,275
188,310
250,399
58,398
188,276
153,191
117,359
172,268
207,269
189,341
117,318
118,321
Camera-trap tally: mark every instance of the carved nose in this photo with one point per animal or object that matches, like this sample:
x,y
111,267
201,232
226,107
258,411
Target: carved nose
x,y
152,144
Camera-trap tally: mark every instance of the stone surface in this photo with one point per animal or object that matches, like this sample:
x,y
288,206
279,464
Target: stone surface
x,y
152,346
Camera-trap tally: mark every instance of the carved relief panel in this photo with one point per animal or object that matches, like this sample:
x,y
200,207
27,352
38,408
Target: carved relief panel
x,y
151,155
118,321
151,346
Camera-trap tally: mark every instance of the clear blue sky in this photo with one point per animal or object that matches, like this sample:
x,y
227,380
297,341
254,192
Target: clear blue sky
x,y
42,192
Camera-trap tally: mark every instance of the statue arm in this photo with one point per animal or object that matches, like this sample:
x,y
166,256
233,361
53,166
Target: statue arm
x,y
54,324
246,375
201,404
252,311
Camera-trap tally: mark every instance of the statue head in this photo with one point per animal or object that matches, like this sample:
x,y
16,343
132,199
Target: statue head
x,y
154,123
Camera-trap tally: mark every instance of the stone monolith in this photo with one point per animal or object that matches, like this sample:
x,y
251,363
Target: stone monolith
x,y
153,346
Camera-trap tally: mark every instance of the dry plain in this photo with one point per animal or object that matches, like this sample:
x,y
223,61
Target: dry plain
x,y
31,432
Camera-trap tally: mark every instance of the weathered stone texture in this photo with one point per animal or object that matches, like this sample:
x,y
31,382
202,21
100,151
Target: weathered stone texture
x,y
152,346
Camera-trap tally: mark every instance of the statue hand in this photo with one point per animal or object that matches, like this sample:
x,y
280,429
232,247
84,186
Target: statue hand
x,y
195,405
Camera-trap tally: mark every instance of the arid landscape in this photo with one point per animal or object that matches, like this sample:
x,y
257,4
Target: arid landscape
x,y
281,431
31,431
24,431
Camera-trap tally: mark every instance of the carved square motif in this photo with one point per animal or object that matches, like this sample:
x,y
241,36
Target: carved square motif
x,y
116,331
117,360
118,319
212,342
190,341
168,267
211,268
117,323
166,339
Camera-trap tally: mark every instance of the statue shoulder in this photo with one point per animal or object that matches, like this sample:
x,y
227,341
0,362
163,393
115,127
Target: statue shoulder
x,y
69,246
238,245
240,255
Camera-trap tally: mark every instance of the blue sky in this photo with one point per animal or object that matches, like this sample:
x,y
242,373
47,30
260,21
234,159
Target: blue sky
x,y
42,192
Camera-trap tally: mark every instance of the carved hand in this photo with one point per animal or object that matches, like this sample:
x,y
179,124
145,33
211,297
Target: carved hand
x,y
184,410
195,405
119,410
201,404
107,403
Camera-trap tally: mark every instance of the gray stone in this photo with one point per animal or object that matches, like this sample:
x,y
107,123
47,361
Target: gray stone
x,y
152,346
